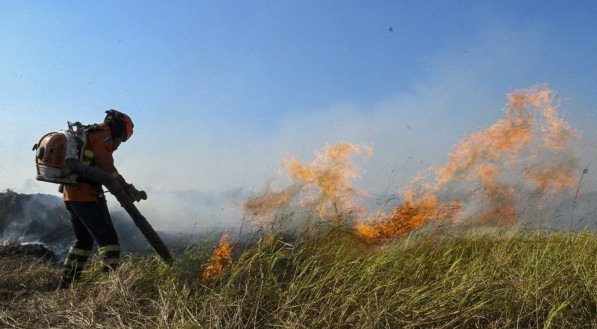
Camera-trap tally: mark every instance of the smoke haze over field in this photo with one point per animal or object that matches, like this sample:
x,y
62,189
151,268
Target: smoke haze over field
x,y
216,110
42,218
522,171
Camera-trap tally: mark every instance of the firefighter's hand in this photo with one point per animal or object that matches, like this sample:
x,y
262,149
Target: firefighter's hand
x,y
135,194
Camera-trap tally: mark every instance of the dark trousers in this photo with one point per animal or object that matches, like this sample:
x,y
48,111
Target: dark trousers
x,y
91,221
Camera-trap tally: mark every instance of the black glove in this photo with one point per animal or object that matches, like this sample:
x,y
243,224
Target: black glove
x,y
135,194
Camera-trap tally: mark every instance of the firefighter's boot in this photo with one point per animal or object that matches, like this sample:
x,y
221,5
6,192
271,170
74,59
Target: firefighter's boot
x,y
73,266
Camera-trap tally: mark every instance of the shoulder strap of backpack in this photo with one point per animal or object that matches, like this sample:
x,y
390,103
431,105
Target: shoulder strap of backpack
x,y
93,128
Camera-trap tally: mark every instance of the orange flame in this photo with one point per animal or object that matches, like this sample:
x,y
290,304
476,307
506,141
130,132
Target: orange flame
x,y
323,185
526,155
265,205
525,158
407,217
326,181
220,261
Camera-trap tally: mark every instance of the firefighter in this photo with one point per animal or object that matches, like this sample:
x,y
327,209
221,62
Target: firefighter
x,y
86,202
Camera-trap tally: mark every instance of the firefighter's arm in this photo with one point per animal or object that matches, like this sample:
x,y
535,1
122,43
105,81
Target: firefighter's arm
x,y
105,161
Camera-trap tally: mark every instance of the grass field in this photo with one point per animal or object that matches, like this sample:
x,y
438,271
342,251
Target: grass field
x,y
331,280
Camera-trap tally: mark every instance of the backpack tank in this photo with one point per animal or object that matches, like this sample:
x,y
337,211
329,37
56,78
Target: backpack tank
x,y
52,151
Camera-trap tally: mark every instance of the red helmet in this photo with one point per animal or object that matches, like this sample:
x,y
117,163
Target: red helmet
x,y
128,125
120,124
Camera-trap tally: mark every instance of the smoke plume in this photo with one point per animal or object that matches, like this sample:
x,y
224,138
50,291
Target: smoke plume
x,y
42,218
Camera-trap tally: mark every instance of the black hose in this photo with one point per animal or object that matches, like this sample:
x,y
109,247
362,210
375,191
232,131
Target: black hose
x,y
102,177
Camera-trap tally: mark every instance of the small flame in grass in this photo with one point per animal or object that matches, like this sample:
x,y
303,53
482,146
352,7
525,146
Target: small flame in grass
x,y
220,261
407,217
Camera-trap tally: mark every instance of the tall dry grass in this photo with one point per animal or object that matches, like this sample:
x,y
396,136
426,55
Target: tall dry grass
x,y
330,280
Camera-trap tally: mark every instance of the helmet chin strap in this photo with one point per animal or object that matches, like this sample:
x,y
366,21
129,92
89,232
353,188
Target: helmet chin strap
x,y
117,141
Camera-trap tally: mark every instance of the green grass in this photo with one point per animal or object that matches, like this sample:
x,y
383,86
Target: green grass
x,y
515,279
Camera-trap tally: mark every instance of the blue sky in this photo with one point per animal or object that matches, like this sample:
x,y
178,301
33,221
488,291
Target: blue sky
x,y
221,90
